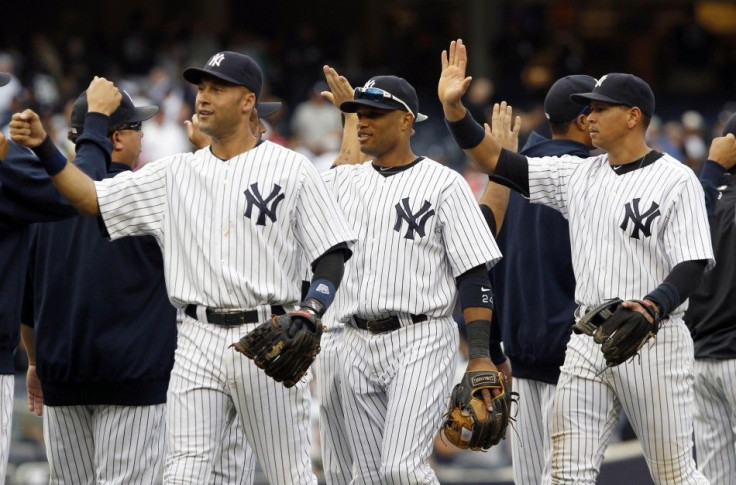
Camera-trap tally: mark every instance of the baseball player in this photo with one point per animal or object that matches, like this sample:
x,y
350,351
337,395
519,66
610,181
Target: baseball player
x,y
233,222
422,245
534,282
639,231
710,318
102,348
19,169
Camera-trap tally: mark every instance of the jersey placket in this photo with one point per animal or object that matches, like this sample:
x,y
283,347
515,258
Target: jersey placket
x,y
226,229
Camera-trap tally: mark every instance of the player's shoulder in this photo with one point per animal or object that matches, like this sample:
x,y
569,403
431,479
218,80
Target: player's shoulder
x,y
273,152
673,166
441,173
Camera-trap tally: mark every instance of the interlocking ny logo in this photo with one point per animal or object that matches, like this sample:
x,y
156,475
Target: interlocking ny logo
x,y
641,221
600,81
216,59
267,207
403,213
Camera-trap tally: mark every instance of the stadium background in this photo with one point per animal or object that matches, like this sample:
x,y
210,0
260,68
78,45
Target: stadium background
x,y
684,49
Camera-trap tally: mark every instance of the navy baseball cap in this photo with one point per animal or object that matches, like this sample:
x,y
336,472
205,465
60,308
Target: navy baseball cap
x,y
558,107
267,108
386,92
127,112
620,88
4,78
231,67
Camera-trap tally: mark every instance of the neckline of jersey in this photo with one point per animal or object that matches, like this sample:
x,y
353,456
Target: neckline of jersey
x,y
258,143
642,162
388,171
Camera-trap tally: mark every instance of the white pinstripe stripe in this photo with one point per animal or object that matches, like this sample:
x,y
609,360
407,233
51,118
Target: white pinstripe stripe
x,y
395,391
336,455
208,381
235,462
715,419
101,444
590,397
531,441
7,382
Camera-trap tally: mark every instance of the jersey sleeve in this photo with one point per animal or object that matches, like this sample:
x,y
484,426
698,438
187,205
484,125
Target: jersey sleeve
x,y
687,234
549,179
467,238
133,203
319,222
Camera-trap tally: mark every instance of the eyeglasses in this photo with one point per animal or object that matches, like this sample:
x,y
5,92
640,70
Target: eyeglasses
x,y
135,126
376,94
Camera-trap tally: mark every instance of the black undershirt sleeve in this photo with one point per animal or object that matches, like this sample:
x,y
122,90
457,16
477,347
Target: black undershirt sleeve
x,y
476,272
512,171
331,265
685,277
490,219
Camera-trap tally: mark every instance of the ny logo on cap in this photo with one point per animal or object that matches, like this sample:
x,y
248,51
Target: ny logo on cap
x,y
370,83
600,81
216,59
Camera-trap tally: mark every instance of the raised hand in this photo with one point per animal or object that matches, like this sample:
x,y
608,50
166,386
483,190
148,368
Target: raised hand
x,y
26,129
723,151
3,147
340,88
502,129
102,96
453,82
195,135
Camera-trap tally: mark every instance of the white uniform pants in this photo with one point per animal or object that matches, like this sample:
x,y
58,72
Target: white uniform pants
x,y
210,381
396,388
7,382
531,441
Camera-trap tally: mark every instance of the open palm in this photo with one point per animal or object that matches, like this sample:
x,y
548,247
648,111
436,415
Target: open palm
x,y
453,82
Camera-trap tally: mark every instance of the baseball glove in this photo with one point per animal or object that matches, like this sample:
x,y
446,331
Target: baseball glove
x,y
285,346
468,423
622,332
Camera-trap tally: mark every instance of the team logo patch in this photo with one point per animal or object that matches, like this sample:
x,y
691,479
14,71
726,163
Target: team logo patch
x,y
600,81
266,207
416,222
216,59
640,221
322,288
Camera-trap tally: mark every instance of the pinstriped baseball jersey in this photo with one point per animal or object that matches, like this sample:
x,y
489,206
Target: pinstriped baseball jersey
x,y
417,230
627,231
233,232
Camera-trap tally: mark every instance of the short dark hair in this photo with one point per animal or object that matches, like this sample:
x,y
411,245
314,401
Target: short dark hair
x,y
561,127
645,120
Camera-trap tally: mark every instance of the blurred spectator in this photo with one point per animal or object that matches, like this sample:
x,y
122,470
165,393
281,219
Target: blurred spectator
x,y
316,126
162,136
10,91
694,147
479,99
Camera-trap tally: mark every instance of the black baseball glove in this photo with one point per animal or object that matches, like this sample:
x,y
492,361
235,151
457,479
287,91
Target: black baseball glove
x,y
622,332
285,346
468,423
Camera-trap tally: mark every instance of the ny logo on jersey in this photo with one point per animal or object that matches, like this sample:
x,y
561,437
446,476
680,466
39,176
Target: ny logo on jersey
x,y
642,221
266,207
216,59
404,213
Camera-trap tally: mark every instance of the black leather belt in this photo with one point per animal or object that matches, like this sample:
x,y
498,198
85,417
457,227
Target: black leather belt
x,y
231,319
385,324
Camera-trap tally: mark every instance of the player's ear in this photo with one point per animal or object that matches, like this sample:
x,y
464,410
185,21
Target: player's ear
x,y
249,102
582,122
634,117
117,140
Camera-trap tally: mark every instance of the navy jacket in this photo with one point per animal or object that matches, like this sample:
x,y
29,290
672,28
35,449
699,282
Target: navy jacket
x,y
711,316
105,330
26,196
534,284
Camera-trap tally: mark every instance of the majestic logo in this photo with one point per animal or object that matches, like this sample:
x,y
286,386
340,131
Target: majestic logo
x,y
266,207
216,59
600,81
404,213
370,83
641,221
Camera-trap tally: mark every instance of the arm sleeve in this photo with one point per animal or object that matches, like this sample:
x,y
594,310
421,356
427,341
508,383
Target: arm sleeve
x,y
678,286
687,233
467,238
319,223
134,203
709,178
512,170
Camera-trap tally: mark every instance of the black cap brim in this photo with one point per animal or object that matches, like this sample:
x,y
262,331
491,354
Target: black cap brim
x,y
4,78
143,113
267,108
586,98
194,75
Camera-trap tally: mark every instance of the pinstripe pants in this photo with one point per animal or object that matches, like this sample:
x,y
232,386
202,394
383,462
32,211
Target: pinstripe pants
x,y
396,387
7,382
337,459
715,419
531,444
655,390
101,444
235,462
208,383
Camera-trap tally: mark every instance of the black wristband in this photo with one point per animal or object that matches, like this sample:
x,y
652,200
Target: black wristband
x,y
51,158
479,334
666,296
466,132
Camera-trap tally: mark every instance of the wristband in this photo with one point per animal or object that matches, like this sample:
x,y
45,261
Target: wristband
x,y
323,291
479,335
666,296
466,132
51,158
